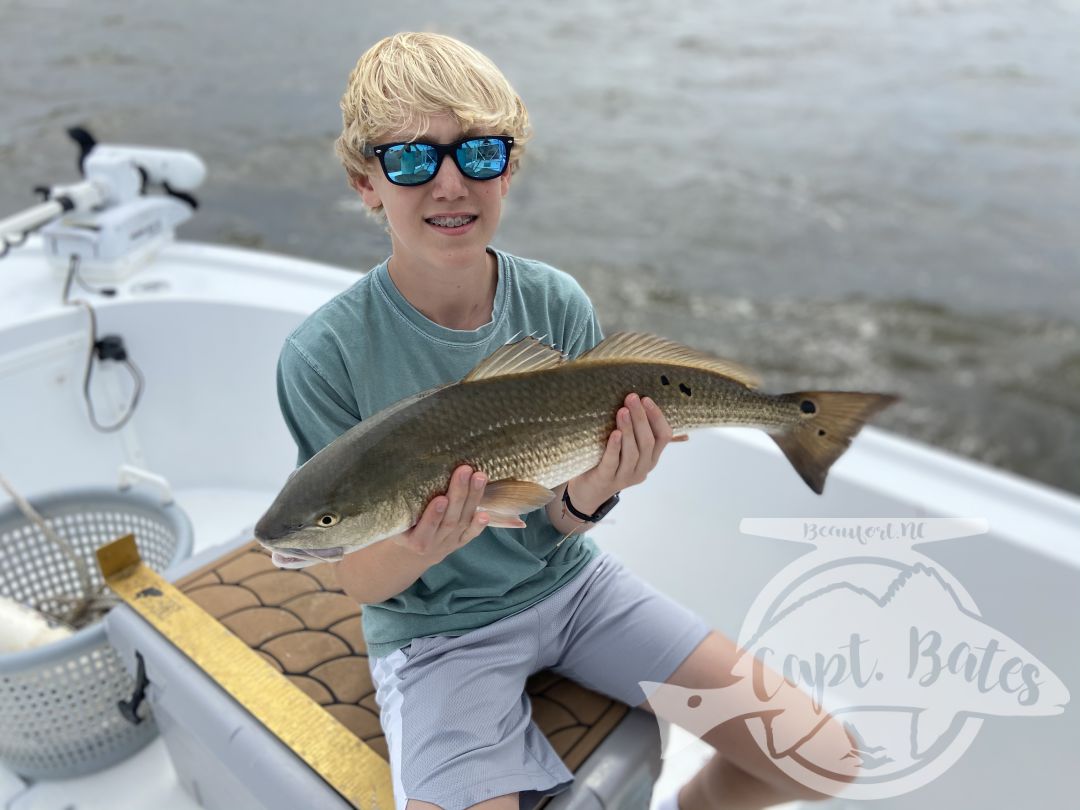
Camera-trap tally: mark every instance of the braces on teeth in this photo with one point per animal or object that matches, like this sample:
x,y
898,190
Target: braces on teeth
x,y
451,222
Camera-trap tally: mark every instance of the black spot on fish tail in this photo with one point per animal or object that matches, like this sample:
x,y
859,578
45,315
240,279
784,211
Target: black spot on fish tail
x,y
825,429
685,389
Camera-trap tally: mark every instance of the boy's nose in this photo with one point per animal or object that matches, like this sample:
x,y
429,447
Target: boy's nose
x,y
449,182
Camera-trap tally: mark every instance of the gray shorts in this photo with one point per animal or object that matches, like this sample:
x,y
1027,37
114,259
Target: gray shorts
x,y
458,723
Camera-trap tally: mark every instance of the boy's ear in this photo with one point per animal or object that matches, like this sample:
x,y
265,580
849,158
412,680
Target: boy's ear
x,y
365,189
504,181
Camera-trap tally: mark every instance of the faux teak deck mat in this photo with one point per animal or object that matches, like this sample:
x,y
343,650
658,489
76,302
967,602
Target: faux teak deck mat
x,y
307,628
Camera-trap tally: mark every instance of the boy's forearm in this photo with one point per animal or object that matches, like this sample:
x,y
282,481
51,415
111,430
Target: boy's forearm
x,y
380,571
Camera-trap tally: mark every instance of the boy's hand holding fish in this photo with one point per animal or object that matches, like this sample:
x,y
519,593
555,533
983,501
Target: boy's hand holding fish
x,y
631,453
448,522
451,520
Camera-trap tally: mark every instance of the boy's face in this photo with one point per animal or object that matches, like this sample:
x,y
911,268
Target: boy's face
x,y
413,211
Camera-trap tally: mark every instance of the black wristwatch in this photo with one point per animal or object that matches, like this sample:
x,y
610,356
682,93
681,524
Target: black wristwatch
x,y
596,516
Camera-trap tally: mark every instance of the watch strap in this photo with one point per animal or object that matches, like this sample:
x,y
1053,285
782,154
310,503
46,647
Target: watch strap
x,y
596,516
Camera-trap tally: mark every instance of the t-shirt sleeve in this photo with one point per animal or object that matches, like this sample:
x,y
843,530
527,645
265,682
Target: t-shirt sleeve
x,y
315,412
586,331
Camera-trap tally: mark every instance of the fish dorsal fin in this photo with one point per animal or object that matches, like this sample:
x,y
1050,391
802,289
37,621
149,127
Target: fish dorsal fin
x,y
641,347
527,354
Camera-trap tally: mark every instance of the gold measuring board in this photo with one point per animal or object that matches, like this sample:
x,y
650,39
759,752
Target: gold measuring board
x,y
343,760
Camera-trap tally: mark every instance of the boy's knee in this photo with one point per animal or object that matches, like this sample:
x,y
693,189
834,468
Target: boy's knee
x,y
507,802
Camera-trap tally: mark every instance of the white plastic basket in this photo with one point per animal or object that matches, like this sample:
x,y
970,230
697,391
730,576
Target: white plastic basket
x,y
58,703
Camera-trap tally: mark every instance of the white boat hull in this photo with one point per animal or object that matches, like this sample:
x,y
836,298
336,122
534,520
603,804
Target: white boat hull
x,y
205,325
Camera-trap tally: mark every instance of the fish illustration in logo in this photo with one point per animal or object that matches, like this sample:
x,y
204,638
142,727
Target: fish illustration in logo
x,y
914,649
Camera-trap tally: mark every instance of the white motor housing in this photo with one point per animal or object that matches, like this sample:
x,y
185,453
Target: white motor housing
x,y
114,243
121,230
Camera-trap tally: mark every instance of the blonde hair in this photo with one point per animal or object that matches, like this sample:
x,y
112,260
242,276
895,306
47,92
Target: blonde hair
x,y
402,80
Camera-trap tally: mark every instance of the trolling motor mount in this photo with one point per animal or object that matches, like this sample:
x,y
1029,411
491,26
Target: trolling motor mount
x,y
108,221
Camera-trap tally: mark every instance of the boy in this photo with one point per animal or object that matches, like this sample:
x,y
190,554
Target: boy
x,y
457,614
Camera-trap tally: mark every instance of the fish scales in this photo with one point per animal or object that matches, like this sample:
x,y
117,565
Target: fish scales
x,y
543,426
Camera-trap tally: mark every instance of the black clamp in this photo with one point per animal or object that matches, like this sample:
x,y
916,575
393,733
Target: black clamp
x,y
130,708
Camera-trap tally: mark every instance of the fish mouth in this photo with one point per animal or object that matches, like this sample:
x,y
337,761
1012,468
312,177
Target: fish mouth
x,y
308,555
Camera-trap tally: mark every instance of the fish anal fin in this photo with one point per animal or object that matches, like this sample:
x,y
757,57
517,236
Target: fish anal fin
x,y
500,521
832,419
509,497
645,348
527,354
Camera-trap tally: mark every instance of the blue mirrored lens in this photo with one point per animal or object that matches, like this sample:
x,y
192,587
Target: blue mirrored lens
x,y
482,158
410,163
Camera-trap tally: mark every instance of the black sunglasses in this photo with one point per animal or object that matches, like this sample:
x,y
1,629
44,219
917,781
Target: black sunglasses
x,y
414,163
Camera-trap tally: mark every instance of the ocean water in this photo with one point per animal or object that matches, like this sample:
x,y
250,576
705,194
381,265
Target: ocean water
x,y
870,195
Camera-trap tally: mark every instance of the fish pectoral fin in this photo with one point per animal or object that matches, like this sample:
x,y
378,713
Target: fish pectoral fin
x,y
512,497
528,354
505,521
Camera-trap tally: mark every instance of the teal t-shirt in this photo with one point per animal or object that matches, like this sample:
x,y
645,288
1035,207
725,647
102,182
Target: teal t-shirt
x,y
368,348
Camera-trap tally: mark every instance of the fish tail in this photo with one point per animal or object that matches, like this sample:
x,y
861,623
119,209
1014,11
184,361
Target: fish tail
x,y
829,420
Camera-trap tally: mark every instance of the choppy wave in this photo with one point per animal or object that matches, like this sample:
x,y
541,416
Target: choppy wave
x,y
1003,388
866,156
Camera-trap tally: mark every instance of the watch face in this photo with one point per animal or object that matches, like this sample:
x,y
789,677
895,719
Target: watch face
x,y
605,507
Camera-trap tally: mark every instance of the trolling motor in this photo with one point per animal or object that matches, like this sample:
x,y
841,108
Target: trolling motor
x,y
105,228
106,222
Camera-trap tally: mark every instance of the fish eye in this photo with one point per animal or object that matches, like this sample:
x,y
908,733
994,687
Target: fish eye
x,y
327,520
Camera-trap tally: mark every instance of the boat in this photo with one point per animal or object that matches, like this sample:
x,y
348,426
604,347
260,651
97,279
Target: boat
x,y
197,418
